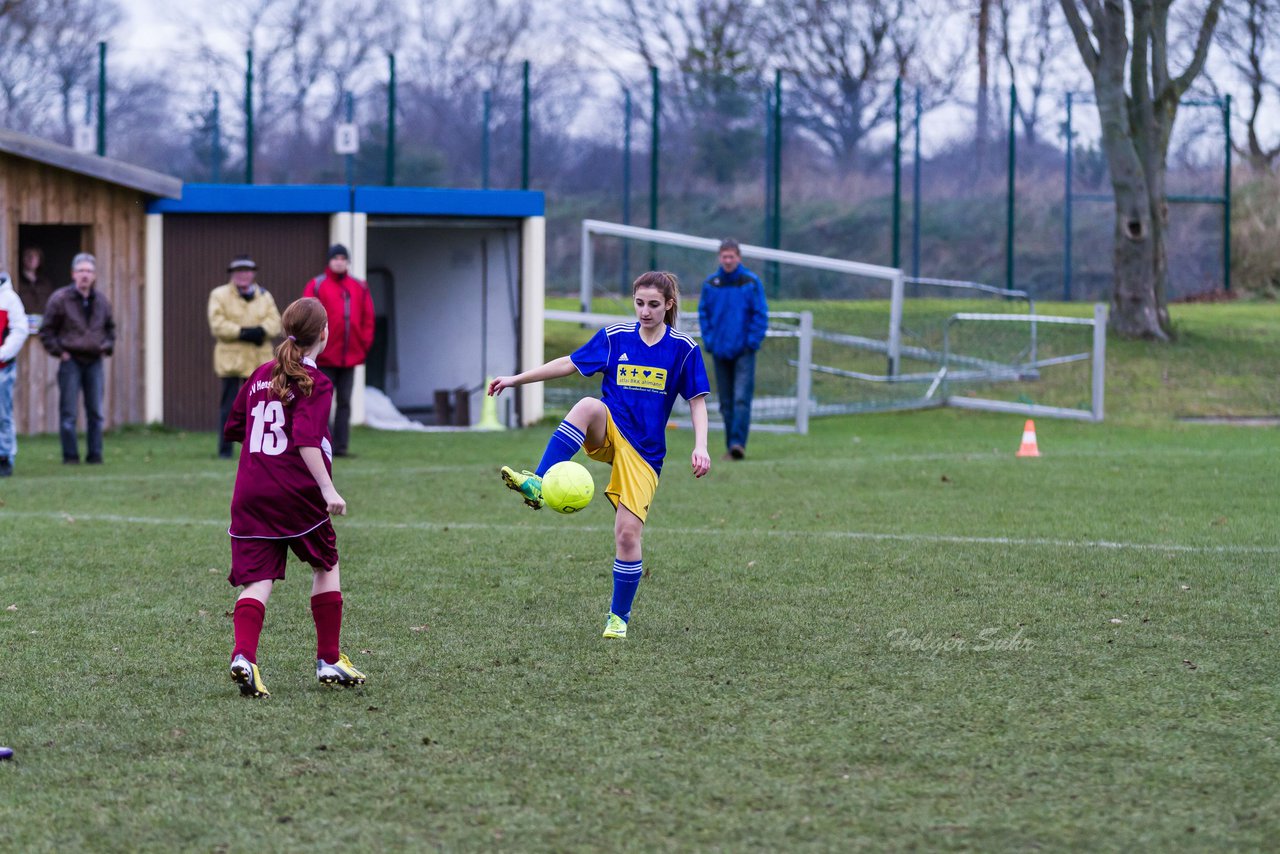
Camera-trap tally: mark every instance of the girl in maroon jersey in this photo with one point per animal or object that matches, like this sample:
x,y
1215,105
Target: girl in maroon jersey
x,y
284,496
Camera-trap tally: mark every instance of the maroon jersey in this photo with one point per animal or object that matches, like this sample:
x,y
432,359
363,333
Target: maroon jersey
x,y
275,495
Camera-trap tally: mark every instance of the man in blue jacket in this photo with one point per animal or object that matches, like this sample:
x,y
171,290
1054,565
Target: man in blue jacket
x,y
734,316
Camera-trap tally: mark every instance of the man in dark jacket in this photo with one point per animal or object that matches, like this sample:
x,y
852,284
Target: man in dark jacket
x,y
78,329
349,305
734,317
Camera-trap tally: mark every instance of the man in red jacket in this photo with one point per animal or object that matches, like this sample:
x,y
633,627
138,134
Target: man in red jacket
x,y
349,305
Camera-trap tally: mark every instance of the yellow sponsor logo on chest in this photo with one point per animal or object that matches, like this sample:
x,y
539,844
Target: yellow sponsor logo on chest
x,y
638,376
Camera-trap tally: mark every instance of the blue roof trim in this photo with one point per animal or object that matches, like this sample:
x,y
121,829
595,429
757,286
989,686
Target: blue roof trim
x,y
256,198
431,201
334,198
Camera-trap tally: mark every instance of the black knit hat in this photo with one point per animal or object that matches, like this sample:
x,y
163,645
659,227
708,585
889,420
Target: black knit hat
x,y
338,249
241,262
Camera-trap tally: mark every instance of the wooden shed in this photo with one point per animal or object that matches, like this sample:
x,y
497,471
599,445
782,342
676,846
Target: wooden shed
x,y
457,279
66,202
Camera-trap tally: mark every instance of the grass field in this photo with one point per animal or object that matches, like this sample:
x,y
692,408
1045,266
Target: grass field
x,y
890,634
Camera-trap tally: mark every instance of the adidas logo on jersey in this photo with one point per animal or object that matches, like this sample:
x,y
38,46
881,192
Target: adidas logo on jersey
x,y
623,358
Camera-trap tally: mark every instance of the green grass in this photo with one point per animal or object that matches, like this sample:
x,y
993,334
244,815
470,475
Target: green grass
x,y
890,634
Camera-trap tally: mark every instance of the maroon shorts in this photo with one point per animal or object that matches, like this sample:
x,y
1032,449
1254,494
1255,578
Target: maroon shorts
x,y
258,559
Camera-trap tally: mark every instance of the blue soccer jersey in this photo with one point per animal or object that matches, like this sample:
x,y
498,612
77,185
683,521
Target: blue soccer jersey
x,y
641,381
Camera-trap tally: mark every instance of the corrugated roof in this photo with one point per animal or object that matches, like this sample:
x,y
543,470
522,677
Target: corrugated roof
x,y
101,168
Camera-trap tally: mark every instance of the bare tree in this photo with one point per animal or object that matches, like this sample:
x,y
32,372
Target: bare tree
x,y
1137,99
1032,47
70,39
306,54
459,51
712,57
1249,36
24,86
469,45
48,57
843,60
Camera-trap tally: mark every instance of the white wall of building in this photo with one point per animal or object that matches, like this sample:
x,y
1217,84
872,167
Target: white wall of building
x,y
454,297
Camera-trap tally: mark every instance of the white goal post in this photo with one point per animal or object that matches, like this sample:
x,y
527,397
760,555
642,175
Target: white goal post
x,y
894,276
930,355
1097,359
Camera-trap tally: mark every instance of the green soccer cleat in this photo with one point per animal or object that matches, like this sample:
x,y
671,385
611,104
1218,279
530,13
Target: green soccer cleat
x,y
245,674
342,672
526,483
616,627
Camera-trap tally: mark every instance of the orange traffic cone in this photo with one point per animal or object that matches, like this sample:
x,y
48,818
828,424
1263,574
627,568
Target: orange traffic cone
x,y
1029,447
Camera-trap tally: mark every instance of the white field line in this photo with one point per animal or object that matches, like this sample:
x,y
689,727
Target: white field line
x,y
873,536
854,459
228,475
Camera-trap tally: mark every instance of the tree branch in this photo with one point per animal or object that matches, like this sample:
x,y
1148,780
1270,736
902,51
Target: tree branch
x,y
1080,32
1183,82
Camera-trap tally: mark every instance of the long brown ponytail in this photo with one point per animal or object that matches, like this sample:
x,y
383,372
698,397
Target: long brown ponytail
x,y
670,287
304,322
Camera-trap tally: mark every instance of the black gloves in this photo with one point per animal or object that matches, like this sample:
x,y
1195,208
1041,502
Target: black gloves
x,y
253,334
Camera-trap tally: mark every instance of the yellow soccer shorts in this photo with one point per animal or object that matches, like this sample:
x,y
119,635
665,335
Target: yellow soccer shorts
x,y
633,481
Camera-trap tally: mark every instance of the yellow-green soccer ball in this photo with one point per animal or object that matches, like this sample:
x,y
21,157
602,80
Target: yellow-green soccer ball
x,y
567,487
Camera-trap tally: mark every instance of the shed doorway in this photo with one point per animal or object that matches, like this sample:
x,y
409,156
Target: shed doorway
x,y
446,294
59,244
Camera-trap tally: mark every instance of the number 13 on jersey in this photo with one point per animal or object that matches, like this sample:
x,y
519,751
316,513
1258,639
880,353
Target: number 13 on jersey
x,y
267,435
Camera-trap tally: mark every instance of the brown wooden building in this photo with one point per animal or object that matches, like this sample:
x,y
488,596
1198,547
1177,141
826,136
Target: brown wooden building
x,y
288,249
66,202
457,279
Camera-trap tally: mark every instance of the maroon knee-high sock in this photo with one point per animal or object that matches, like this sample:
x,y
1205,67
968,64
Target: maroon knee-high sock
x,y
326,610
246,621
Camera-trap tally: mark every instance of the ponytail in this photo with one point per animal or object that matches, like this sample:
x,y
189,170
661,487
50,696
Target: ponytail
x,y
289,367
304,321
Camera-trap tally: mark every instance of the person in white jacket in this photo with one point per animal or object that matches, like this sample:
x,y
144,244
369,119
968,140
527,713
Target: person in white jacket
x,y
13,334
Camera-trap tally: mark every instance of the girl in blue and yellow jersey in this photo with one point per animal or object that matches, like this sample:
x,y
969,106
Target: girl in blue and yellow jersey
x,y
645,365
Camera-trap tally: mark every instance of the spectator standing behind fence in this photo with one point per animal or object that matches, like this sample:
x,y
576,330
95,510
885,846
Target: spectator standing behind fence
x,y
13,334
244,320
349,305
734,317
78,329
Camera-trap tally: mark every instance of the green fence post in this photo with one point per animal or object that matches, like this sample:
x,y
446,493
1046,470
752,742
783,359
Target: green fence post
x,y
626,188
1066,211
915,193
1226,200
248,117
653,163
1009,206
776,217
349,160
102,99
767,234
896,214
524,128
391,120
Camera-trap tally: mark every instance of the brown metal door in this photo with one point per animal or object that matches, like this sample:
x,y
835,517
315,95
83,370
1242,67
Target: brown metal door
x,y
289,250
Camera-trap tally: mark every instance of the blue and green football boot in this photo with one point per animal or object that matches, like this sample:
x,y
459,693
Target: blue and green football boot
x,y
526,483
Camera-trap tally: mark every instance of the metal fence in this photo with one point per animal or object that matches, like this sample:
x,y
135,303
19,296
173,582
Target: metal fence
x,y
920,186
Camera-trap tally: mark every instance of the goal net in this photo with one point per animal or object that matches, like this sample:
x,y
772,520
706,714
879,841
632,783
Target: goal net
x,y
847,337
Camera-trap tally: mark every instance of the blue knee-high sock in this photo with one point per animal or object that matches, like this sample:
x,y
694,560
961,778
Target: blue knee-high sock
x,y
564,443
626,580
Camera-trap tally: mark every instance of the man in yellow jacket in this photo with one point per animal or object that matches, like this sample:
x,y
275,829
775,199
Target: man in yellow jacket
x,y
244,321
